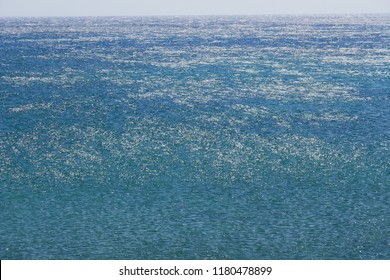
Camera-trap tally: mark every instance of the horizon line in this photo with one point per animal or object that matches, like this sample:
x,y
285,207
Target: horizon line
x,y
196,15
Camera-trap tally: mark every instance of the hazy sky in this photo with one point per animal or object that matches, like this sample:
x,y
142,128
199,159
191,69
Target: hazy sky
x,y
187,7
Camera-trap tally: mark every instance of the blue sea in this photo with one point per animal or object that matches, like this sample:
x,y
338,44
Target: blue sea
x,y
261,137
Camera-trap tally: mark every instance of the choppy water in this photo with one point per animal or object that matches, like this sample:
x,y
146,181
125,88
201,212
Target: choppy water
x,y
195,138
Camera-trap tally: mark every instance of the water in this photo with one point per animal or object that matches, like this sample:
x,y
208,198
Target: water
x,y
195,138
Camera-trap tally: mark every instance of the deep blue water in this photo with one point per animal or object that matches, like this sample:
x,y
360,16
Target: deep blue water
x,y
195,138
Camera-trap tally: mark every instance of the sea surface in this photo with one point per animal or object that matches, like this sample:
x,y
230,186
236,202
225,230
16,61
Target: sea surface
x,y
195,137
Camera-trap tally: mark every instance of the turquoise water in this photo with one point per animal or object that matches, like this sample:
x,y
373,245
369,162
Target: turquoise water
x,y
195,138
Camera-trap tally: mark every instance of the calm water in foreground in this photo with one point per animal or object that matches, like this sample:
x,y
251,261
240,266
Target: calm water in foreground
x,y
195,138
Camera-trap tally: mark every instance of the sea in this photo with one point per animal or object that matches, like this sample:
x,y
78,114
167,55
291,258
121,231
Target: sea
x,y
203,137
